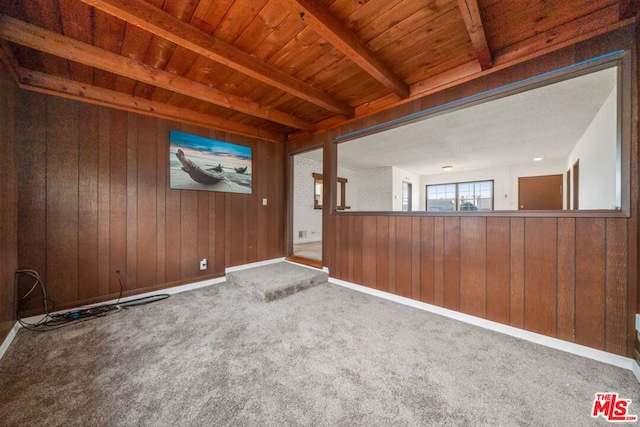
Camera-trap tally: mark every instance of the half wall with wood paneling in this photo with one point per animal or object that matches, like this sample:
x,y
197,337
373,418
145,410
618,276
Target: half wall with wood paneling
x,y
570,276
94,198
8,202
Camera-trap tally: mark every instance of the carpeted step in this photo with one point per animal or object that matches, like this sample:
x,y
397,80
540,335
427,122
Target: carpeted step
x,y
275,281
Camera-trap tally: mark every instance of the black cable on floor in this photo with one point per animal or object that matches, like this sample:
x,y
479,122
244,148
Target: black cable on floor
x,y
59,320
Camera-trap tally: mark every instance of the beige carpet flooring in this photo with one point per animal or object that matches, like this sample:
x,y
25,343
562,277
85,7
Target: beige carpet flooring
x,y
326,356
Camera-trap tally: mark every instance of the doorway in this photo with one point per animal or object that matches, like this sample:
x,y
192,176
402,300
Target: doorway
x,y
306,221
407,201
540,192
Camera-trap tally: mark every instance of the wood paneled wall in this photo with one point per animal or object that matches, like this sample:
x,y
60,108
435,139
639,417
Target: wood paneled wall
x,y
571,277
8,202
561,277
94,198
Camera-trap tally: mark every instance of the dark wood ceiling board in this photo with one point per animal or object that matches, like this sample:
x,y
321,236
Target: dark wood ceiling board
x,y
306,39
280,37
292,64
46,14
449,64
48,41
135,45
431,35
264,24
392,17
454,47
427,20
238,17
508,23
360,92
332,30
342,82
367,13
9,61
602,18
321,63
108,35
181,9
27,58
77,23
209,14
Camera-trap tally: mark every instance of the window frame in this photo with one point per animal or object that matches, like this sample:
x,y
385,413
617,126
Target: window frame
x,y
457,196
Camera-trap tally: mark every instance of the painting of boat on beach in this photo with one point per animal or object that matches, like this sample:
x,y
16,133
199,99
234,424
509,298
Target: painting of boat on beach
x,y
198,163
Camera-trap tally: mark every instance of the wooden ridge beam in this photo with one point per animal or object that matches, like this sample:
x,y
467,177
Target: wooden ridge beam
x,y
473,21
58,86
43,40
322,22
158,22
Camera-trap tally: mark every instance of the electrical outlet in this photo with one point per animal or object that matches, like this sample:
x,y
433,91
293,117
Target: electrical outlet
x,y
203,264
264,202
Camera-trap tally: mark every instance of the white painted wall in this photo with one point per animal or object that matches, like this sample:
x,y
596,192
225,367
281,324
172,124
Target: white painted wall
x,y
305,217
375,192
398,176
596,151
505,180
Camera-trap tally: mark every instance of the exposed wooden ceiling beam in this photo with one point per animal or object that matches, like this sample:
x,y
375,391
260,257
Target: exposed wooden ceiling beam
x,y
41,82
629,8
322,22
47,41
473,21
167,26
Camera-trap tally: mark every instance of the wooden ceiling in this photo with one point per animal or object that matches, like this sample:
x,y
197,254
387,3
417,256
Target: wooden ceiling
x,y
280,69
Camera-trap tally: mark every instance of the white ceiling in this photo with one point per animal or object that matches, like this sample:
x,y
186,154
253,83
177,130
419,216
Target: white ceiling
x,y
544,122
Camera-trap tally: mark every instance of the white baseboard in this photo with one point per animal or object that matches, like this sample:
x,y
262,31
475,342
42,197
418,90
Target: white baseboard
x,y
252,265
299,242
580,350
9,339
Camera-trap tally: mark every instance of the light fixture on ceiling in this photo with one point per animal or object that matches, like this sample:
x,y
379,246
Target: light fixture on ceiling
x,y
537,159
447,168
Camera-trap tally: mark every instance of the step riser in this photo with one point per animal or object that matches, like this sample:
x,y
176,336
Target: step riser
x,y
276,281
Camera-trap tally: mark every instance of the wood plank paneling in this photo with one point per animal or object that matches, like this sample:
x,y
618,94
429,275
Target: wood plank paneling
x,y
357,249
382,253
438,263
570,276
451,257
102,204
590,282
566,279
516,275
540,292
427,250
615,290
8,202
368,251
403,256
498,261
473,266
415,258
62,200
147,215
88,149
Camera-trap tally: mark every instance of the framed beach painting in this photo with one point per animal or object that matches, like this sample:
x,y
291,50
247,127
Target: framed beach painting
x,y
198,163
